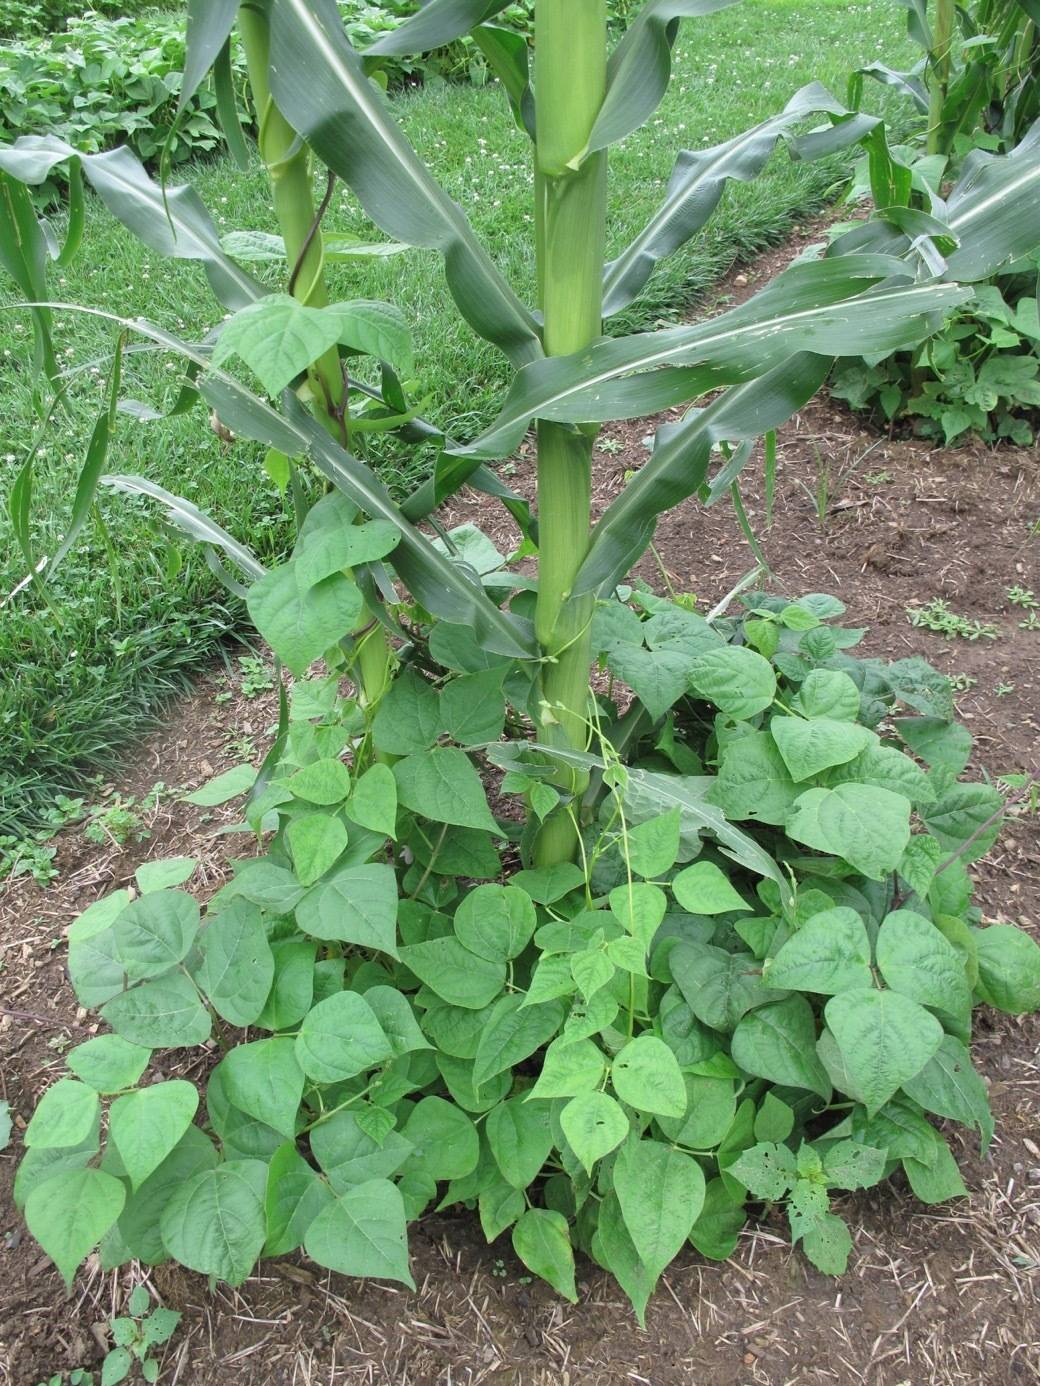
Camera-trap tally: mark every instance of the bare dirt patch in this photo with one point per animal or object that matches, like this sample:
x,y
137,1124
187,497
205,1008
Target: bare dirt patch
x,y
933,1295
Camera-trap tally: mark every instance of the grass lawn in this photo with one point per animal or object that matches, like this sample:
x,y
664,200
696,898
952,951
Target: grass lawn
x,y
128,622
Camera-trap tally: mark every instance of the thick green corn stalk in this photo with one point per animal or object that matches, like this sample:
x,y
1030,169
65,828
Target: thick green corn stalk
x,y
287,160
570,58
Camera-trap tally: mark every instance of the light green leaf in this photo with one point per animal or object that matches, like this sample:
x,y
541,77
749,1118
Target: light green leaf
x,y
593,1124
446,1142
350,1156
884,1039
293,989
442,785
778,1042
228,785
852,1165
939,1179
827,1243
316,841
716,1232
294,1198
542,1241
496,922
661,1193
339,1038
499,1206
918,862
108,1063
458,976
811,746
654,845
396,1019
163,875
869,827
473,707
514,1034
914,958
300,620
155,932
363,1233
547,884
639,908
69,1213
828,693
408,718
614,1249
645,1074
962,812
278,338
737,680
949,1086
357,905
237,967
215,1223
520,1139
703,889
322,782
829,953
147,1124
166,1013
264,1080
886,768
718,986
1009,969
753,781
373,803
569,1068
64,1116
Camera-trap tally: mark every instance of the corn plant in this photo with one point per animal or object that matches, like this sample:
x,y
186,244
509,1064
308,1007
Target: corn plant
x,y
715,942
979,81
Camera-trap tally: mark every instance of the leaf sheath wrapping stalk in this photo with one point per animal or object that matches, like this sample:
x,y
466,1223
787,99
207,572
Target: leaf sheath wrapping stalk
x,y
319,83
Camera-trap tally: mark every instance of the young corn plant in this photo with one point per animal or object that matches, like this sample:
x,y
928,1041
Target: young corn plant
x,y
712,940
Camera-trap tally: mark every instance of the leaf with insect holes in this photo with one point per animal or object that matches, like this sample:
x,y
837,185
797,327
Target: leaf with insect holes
x,y
646,1075
594,1125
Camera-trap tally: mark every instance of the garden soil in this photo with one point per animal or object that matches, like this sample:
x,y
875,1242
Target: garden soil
x,y
942,1295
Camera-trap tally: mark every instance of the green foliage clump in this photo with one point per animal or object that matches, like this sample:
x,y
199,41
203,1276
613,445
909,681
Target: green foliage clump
x,y
106,81
756,986
21,19
979,376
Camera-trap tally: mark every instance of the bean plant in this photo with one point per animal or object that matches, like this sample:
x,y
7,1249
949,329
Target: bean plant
x,y
597,913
